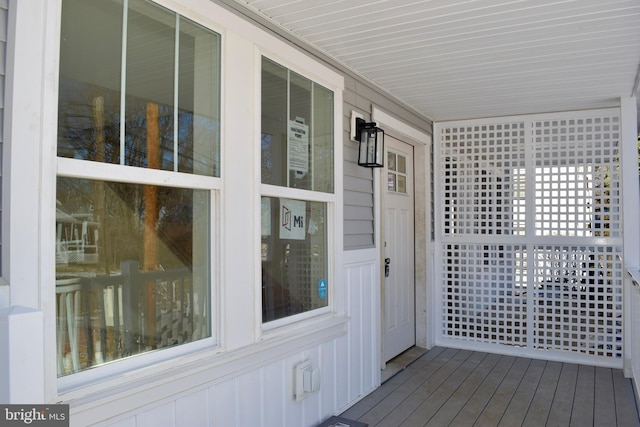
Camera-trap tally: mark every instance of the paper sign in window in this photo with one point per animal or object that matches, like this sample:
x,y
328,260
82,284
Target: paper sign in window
x,y
292,219
298,147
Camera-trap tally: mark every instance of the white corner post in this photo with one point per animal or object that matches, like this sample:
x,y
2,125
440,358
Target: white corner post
x,y
21,355
28,162
631,223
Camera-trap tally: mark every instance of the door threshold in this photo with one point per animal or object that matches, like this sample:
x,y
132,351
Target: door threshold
x,y
400,362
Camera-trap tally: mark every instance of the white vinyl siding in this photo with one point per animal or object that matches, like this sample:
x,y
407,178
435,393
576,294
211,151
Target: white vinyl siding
x,y
4,6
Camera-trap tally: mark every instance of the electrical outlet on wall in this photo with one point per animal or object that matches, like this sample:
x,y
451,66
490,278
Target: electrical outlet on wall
x,y
306,379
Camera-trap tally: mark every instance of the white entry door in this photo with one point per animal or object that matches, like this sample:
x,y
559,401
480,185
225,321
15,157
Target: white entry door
x,y
398,249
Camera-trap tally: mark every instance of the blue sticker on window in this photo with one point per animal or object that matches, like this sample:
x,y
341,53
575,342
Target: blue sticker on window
x,y
322,288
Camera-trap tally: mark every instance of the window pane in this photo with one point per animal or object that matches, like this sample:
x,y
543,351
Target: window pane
x,y
402,164
294,257
298,137
402,184
89,93
391,181
323,139
391,161
132,270
297,130
274,123
149,81
171,121
198,100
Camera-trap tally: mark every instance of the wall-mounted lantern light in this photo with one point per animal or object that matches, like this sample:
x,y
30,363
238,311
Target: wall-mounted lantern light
x,y
371,140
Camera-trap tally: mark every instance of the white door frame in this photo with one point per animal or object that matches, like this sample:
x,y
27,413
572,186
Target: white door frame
x,y
421,141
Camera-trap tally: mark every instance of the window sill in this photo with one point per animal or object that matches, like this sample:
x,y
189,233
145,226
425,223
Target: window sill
x,y
133,390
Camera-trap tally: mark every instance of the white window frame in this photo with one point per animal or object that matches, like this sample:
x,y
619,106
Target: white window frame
x,y
86,169
99,377
317,74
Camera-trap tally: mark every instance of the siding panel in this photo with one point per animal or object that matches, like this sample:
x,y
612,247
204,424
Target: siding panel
x,y
164,415
355,198
128,422
186,416
224,400
274,394
358,213
360,227
4,12
249,403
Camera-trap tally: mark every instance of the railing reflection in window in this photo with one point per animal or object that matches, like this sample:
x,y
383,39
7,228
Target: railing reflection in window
x,y
131,268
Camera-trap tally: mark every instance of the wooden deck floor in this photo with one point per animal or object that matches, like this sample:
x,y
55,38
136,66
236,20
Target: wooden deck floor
x,y
447,387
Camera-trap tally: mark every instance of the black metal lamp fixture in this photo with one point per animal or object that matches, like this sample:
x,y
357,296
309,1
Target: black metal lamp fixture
x,y
371,139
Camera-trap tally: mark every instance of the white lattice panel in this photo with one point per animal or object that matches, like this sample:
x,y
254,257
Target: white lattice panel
x,y
485,293
531,233
578,299
577,176
482,176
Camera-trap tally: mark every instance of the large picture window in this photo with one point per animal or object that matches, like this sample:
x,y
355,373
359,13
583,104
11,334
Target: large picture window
x,y
138,92
298,183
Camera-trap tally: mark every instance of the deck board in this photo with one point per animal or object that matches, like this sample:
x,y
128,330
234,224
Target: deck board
x,y
521,401
479,400
583,400
538,411
421,390
391,385
562,405
604,408
432,405
450,387
460,398
492,413
413,388
626,410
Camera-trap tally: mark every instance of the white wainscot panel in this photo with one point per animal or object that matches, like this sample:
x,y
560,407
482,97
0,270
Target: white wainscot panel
x,y
163,415
127,422
363,302
191,409
312,409
329,387
275,392
250,400
342,368
223,403
635,331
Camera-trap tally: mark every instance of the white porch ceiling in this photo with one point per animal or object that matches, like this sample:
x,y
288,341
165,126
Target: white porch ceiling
x,y
455,59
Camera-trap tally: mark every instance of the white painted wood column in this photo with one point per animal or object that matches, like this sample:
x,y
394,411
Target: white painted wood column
x,y
631,223
29,201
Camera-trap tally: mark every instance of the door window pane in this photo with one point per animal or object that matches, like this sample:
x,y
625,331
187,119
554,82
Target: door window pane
x,y
294,257
391,182
391,161
132,270
402,184
397,173
170,109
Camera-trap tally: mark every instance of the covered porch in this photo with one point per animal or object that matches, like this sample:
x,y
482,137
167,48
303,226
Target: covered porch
x,y
528,234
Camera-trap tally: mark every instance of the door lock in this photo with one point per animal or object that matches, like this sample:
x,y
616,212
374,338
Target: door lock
x,y
387,262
